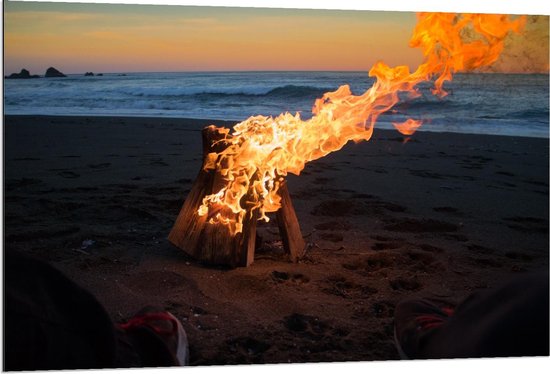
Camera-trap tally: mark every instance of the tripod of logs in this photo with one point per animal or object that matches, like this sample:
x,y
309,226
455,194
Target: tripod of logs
x,y
213,243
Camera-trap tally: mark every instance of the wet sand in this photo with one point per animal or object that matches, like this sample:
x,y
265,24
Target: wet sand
x,y
438,216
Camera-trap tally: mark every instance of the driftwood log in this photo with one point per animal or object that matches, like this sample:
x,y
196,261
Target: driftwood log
x,y
213,243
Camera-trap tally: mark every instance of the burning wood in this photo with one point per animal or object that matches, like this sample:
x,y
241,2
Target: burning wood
x,y
218,243
243,172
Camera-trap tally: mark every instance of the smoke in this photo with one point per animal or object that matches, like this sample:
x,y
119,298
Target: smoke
x,y
527,52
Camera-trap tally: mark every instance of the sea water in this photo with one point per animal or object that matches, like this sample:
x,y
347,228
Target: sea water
x,y
504,104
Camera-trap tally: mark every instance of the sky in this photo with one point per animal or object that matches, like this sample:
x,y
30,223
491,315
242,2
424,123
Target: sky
x,y
76,38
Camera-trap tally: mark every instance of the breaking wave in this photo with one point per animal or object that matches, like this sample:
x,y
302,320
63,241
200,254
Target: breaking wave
x,y
485,103
286,91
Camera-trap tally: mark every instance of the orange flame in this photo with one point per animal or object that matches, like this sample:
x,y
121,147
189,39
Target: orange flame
x,y
408,127
262,150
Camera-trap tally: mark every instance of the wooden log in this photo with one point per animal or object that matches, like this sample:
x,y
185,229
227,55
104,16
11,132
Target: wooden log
x,y
289,228
214,243
187,229
219,246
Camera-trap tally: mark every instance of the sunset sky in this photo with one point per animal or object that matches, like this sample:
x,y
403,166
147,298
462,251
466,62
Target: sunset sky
x,y
76,38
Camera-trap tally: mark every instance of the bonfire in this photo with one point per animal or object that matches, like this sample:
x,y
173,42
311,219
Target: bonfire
x,y
242,178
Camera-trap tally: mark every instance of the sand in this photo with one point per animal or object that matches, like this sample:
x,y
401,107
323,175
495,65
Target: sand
x,y
439,216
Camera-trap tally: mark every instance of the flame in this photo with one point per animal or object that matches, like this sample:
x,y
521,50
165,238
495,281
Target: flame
x,y
262,150
408,127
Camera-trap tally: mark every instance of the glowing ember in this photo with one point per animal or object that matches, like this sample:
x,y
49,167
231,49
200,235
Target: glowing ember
x,y
262,150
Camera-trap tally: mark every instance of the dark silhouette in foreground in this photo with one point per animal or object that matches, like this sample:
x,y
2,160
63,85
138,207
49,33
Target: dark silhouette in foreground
x,y
510,320
51,324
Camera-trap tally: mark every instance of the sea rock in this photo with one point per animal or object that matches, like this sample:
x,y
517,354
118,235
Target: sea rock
x,y
100,74
24,74
54,73
89,74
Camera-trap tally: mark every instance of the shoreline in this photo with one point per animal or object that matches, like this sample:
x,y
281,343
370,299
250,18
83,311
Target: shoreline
x,y
440,216
136,118
229,123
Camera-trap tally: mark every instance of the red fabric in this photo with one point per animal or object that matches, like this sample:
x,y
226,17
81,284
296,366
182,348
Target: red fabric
x,y
146,319
429,322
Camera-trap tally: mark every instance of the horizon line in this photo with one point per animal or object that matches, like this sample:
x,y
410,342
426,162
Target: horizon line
x,y
265,71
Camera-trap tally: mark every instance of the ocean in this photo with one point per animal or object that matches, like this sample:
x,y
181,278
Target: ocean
x,y
503,104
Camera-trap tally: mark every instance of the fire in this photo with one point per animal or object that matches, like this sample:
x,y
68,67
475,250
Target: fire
x,y
262,150
408,127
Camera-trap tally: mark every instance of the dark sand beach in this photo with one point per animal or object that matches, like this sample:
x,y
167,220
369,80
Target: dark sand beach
x,y
439,216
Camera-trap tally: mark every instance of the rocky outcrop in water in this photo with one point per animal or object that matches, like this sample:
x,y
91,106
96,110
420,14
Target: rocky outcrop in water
x,y
54,73
24,74
89,74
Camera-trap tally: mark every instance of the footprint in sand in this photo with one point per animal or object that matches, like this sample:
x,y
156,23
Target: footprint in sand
x,y
27,159
420,261
301,323
519,256
484,262
431,248
362,196
158,162
283,276
333,226
341,286
331,236
99,166
68,174
420,225
425,174
445,209
247,346
405,284
536,182
506,173
533,225
381,246
480,249
12,184
375,262
322,180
